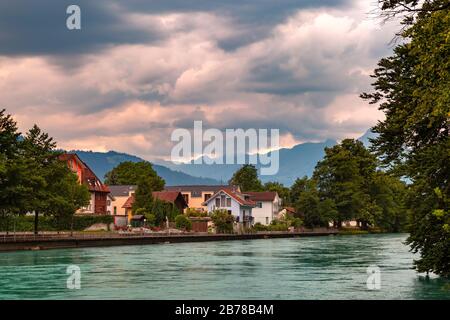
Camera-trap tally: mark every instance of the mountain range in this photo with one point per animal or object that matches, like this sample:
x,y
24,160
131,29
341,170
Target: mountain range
x,y
297,161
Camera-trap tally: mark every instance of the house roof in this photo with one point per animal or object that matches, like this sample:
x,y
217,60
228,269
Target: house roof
x,y
290,210
239,197
167,196
88,176
262,196
122,190
199,188
128,203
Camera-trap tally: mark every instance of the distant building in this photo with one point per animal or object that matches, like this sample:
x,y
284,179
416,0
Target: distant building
x,y
195,196
235,203
121,193
99,192
289,211
268,204
173,197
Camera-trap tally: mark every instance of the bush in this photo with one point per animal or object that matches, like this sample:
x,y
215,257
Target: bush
x,y
278,227
182,222
191,212
223,221
260,227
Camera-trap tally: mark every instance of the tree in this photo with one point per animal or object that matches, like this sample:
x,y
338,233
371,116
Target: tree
x,y
11,174
307,202
344,176
132,173
65,194
297,188
411,88
282,191
247,178
143,198
223,221
38,152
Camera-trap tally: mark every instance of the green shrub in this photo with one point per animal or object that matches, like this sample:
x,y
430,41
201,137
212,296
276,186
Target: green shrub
x,y
191,212
223,221
260,227
183,222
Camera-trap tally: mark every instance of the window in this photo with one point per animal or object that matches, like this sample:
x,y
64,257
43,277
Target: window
x,y
196,194
115,210
217,202
186,198
222,201
228,202
267,220
109,202
259,204
207,196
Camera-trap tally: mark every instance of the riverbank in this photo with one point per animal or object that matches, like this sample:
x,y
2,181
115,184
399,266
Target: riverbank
x,y
63,241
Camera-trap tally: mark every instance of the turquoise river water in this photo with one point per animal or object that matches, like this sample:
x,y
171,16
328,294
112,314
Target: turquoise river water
x,y
331,267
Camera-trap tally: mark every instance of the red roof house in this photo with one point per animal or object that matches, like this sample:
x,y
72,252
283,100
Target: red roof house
x,y
99,191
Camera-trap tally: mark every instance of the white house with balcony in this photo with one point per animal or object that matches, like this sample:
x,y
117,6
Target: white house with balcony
x,y
267,206
235,203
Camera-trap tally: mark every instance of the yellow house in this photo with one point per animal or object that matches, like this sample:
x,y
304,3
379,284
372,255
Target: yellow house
x,y
195,196
120,193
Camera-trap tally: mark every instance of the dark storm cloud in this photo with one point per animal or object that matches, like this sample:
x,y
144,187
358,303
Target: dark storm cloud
x,y
39,28
30,27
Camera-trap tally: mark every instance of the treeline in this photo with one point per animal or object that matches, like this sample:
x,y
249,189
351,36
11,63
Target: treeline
x,y
32,178
346,185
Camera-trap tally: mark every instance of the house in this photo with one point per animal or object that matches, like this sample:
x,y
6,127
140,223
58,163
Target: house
x,y
121,193
195,196
268,203
173,197
236,203
99,192
289,211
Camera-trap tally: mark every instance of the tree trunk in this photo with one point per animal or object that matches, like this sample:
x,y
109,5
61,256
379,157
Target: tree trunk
x,y
36,221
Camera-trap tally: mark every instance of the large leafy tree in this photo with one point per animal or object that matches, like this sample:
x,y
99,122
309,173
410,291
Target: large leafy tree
x,y
282,191
412,89
344,176
247,178
132,173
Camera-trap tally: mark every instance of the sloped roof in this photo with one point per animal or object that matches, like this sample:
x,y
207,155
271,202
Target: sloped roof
x,y
121,190
88,176
167,196
239,197
129,203
262,196
199,188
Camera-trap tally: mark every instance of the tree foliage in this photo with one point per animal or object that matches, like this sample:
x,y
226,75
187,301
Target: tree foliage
x,y
412,89
131,173
247,179
32,178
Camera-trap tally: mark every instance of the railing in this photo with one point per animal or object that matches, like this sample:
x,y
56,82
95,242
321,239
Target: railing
x,y
84,236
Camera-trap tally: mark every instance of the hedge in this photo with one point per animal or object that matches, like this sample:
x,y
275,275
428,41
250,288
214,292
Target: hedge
x,y
50,223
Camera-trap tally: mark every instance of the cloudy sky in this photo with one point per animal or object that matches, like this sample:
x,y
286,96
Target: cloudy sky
x,y
139,69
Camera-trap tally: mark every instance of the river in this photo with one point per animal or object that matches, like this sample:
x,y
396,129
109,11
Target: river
x,y
331,267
